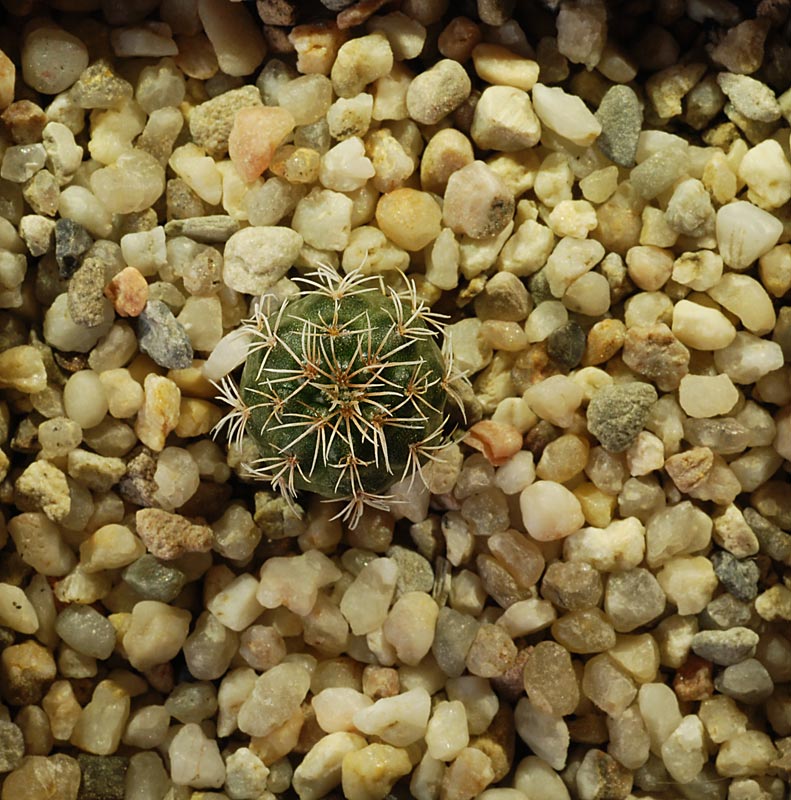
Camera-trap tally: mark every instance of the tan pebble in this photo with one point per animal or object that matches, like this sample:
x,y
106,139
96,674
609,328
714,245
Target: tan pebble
x,y
371,772
469,774
196,417
317,45
256,134
169,535
496,440
459,38
409,218
128,292
690,468
235,36
7,78
448,150
496,64
22,368
605,339
159,414
196,57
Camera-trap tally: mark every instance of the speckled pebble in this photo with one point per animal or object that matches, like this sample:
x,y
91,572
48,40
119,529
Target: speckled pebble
x,y
739,576
162,337
86,294
621,117
566,344
617,413
72,241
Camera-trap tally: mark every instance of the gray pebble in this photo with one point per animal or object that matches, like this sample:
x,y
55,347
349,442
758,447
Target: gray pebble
x,y
504,297
621,117
738,576
725,647
495,12
87,303
12,746
538,284
210,230
773,541
566,344
725,612
617,413
414,572
336,5
72,241
747,681
103,777
153,580
453,638
160,336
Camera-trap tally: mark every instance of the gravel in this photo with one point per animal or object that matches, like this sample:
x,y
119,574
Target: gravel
x,y
585,592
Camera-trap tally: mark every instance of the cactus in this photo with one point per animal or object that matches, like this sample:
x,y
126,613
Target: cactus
x,y
343,390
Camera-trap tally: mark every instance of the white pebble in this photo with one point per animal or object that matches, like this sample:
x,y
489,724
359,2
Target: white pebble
x,y
550,511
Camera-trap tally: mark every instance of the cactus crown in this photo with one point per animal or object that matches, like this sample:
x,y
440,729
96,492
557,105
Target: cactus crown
x,y
343,390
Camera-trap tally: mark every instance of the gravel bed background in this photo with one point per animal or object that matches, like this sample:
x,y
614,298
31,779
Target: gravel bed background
x,y
590,596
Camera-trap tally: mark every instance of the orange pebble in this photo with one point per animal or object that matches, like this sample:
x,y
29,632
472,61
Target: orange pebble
x,y
128,292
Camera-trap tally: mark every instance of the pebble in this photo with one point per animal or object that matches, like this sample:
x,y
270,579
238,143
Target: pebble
x,y
12,746
58,776
52,59
704,396
26,671
504,120
257,257
7,79
103,777
565,114
16,611
739,577
156,633
547,735
195,759
99,86
725,647
748,682
169,536
128,292
250,152
359,62
153,580
566,345
211,122
745,233
498,65
582,32
22,368
43,487
655,353
438,91
616,414
372,771
753,99
236,38
409,218
275,697
477,202
162,338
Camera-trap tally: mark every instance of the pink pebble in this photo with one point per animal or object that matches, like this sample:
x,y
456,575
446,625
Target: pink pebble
x,y
257,132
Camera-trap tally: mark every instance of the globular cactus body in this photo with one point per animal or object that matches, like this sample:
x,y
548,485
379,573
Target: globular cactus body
x,y
343,390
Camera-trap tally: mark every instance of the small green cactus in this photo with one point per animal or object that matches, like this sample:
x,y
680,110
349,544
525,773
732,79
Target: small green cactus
x,y
343,390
